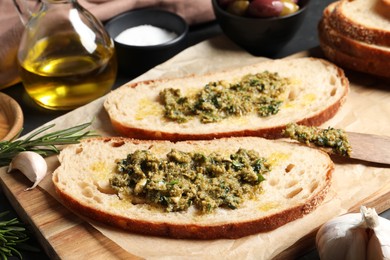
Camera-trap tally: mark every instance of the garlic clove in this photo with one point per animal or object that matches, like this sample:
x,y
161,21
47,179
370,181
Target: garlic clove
x,y
31,164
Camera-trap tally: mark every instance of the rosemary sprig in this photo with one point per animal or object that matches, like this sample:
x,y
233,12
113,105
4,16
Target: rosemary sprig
x,y
45,144
12,238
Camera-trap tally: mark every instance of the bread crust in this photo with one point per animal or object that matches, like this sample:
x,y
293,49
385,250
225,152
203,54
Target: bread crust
x,y
350,46
272,131
229,229
194,231
357,30
369,66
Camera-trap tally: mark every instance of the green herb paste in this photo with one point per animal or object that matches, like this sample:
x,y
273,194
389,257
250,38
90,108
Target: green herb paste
x,y
336,139
183,179
255,93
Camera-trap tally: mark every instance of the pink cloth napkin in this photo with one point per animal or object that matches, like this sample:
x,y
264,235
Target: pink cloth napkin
x,y
11,28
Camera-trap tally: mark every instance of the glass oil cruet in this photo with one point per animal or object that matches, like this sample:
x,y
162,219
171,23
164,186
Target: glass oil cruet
x,y
66,57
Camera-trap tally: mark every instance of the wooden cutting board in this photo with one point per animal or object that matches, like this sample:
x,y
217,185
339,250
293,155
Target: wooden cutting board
x,y
64,235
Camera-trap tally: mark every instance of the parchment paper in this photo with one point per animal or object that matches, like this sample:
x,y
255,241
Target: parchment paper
x,y
367,110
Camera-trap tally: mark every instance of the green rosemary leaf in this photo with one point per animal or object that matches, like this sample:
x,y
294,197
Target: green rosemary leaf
x,y
3,256
39,131
15,252
8,222
15,228
13,237
5,250
43,144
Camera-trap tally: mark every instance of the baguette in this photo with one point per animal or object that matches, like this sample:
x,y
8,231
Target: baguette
x,y
363,20
317,91
296,185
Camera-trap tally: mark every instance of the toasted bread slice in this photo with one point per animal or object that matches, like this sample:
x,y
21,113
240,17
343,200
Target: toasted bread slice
x,y
297,183
318,88
363,20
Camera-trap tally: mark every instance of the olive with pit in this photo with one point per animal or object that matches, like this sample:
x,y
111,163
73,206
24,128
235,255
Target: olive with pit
x,y
265,8
260,8
289,7
238,7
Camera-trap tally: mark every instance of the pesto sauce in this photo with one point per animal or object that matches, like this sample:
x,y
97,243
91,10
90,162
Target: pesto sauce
x,y
336,139
259,93
183,179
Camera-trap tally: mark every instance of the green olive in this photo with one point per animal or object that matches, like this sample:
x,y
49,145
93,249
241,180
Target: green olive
x,y
289,7
238,7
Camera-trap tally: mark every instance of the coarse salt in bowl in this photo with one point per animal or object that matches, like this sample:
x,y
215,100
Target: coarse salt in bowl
x,y
145,35
145,38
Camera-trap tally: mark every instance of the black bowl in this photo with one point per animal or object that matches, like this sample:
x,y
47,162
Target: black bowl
x,y
134,60
260,36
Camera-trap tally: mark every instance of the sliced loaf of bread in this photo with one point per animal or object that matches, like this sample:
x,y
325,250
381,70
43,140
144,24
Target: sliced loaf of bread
x,y
364,20
315,93
297,183
350,46
349,52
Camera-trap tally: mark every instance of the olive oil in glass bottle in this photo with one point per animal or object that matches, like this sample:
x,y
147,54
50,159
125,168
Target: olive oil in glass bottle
x,y
66,57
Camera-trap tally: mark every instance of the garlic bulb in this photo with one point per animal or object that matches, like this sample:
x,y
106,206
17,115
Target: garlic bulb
x,y
364,236
31,164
